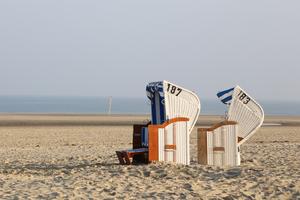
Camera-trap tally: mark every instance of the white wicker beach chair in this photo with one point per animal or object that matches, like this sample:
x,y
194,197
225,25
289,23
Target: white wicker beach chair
x,y
174,112
220,144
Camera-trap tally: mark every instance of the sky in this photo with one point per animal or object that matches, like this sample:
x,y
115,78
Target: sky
x,y
114,48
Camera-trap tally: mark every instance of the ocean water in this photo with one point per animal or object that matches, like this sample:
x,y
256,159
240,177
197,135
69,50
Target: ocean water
x,y
99,105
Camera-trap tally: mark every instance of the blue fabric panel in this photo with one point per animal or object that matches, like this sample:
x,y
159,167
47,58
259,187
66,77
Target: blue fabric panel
x,y
162,110
153,109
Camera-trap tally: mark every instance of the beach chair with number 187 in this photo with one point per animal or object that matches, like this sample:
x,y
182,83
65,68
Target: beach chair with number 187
x,y
174,112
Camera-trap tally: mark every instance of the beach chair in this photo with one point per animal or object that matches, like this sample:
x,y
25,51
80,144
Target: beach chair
x,y
220,144
174,112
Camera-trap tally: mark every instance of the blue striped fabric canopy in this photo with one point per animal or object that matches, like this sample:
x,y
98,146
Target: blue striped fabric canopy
x,y
153,87
155,92
226,96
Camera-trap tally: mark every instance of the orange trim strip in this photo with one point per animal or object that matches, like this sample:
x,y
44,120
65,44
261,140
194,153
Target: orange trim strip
x,y
166,123
223,123
218,149
153,143
170,146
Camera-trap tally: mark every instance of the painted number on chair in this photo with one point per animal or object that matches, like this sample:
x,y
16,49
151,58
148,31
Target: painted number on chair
x,y
173,89
243,97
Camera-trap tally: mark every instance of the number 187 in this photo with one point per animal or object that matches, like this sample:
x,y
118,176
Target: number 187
x,y
173,89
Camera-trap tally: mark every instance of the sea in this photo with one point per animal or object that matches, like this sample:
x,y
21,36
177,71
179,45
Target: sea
x,y
119,105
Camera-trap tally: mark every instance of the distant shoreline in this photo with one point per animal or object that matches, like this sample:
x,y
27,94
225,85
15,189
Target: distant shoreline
x,y
66,119
99,105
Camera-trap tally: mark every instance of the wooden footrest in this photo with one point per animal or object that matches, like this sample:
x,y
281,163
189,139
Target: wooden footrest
x,y
126,156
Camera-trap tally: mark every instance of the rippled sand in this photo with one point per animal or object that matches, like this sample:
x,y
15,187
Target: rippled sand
x,y
48,162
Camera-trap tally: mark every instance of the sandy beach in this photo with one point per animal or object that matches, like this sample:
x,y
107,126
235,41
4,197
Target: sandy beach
x,y
73,157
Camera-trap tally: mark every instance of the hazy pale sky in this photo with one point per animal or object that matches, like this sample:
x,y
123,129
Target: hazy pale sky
x,y
102,48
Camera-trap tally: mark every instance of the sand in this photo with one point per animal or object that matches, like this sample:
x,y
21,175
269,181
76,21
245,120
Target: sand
x,y
73,157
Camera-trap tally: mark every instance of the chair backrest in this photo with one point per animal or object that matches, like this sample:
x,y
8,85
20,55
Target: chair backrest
x,y
247,112
244,110
170,101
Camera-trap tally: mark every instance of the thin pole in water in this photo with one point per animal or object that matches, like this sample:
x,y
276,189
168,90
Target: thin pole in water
x,y
109,105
